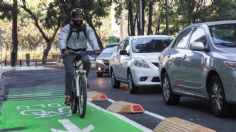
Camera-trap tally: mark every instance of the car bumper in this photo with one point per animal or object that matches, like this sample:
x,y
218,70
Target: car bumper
x,y
102,68
145,77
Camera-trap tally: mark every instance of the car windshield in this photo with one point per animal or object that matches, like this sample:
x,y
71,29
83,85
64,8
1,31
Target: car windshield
x,y
151,44
224,35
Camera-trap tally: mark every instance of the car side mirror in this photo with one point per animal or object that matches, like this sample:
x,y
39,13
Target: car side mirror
x,y
198,46
123,52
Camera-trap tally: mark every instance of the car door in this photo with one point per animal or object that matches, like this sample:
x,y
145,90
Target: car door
x,y
116,61
176,68
124,59
195,63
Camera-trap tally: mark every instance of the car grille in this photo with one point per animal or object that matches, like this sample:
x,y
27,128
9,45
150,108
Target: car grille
x,y
155,79
106,62
155,63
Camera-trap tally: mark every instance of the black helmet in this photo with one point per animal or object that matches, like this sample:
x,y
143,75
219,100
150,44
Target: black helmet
x,y
76,11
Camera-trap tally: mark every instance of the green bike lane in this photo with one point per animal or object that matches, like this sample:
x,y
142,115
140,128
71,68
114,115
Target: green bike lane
x,y
41,109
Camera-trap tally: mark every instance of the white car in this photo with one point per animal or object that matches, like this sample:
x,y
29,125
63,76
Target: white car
x,y
136,61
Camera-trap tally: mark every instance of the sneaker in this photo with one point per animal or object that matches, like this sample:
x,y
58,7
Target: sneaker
x,y
68,100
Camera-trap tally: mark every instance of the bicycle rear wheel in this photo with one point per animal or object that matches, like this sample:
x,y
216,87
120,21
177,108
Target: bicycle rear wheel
x,y
82,99
74,99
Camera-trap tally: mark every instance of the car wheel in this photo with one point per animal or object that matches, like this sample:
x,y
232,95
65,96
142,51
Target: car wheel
x,y
217,97
99,74
115,83
168,97
132,88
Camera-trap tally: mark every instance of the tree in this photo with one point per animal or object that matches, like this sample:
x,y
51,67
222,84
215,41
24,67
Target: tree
x,y
222,10
14,33
51,21
11,11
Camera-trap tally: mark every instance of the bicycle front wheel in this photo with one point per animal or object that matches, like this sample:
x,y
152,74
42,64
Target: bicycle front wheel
x,y
83,96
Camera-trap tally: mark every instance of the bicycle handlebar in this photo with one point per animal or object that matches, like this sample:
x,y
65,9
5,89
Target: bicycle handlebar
x,y
77,52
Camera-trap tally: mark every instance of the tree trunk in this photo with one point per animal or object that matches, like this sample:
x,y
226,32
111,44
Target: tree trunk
x,y
90,23
150,18
128,27
158,26
138,25
135,20
46,51
143,14
131,18
14,34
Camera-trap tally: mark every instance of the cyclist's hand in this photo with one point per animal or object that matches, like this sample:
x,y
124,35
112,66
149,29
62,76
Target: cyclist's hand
x,y
96,52
64,52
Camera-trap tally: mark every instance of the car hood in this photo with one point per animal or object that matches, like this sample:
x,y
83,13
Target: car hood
x,y
150,57
230,53
105,56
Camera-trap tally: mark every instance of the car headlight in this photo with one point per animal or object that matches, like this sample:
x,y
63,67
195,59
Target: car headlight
x,y
99,61
230,65
140,63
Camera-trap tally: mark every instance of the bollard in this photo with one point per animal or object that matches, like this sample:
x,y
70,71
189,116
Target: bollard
x,y
27,59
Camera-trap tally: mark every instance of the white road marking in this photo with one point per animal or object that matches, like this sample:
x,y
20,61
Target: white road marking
x,y
154,115
70,127
143,128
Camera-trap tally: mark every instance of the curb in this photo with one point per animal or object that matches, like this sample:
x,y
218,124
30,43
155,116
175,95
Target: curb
x,y
2,97
174,124
96,96
125,107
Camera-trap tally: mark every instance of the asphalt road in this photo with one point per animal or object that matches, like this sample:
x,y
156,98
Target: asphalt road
x,y
191,109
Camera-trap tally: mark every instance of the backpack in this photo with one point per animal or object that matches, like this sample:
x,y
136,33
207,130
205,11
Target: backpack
x,y
83,29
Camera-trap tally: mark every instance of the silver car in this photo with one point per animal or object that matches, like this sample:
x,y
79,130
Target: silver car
x,y
201,62
102,61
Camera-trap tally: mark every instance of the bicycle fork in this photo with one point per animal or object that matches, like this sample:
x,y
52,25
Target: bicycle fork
x,y
77,81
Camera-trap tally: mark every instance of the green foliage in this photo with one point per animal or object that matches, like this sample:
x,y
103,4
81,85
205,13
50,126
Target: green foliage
x,y
5,10
223,10
91,8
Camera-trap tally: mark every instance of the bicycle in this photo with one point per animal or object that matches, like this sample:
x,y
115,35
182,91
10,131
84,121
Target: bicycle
x,y
79,85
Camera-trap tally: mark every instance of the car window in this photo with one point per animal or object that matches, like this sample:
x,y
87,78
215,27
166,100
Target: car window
x,y
198,35
224,35
150,44
182,39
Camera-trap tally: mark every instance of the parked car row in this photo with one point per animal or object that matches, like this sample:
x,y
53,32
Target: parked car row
x,y
199,62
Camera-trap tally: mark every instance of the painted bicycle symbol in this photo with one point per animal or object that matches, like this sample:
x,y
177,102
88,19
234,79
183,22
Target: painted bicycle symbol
x,y
45,111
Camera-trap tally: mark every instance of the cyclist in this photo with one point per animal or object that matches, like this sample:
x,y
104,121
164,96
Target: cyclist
x,y
74,36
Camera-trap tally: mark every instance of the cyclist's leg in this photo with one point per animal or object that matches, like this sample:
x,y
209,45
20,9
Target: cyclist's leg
x,y
87,64
68,61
